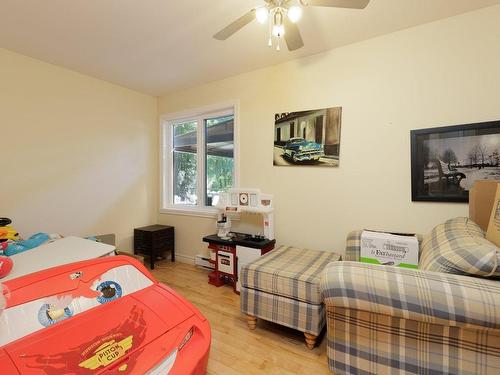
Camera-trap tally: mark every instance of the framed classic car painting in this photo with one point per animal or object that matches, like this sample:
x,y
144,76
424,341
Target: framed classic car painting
x,y
446,161
307,138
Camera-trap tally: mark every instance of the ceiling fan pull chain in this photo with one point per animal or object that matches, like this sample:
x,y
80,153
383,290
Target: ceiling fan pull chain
x,y
270,42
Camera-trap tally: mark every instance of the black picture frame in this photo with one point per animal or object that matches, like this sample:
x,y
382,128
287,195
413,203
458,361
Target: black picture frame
x,y
443,158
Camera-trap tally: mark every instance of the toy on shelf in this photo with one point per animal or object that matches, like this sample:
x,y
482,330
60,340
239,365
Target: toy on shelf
x,y
7,232
4,221
5,268
223,226
32,242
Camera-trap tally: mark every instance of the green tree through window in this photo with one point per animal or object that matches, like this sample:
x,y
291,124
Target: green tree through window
x,y
185,163
192,183
219,145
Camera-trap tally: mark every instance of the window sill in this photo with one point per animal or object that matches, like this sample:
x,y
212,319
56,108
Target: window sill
x,y
208,212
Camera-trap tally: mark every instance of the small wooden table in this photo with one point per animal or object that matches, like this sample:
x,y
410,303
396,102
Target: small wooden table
x,y
154,240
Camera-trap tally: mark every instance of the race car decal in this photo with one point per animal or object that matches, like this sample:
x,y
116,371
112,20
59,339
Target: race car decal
x,y
131,332
108,353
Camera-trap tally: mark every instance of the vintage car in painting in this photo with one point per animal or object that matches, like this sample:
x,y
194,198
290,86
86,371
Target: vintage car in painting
x,y
106,315
298,149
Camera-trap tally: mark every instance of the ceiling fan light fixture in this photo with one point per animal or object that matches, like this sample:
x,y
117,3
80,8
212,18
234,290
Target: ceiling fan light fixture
x,y
278,31
261,14
294,13
280,13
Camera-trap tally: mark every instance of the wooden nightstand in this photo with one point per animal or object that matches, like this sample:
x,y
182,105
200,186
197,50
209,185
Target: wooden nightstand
x,y
154,240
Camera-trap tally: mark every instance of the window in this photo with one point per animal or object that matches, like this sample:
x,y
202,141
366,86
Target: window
x,y
198,160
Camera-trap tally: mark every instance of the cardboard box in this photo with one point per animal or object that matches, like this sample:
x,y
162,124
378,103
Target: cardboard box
x,y
493,233
481,197
392,249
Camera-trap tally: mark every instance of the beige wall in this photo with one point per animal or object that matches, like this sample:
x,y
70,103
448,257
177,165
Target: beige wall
x,y
78,156
437,74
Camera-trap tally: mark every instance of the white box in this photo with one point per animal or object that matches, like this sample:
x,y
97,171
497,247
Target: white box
x,y
245,255
392,249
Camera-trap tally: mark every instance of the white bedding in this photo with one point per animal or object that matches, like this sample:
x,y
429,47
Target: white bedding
x,y
63,251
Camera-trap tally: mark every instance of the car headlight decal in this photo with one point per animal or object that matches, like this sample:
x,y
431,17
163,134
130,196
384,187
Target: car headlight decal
x,y
186,339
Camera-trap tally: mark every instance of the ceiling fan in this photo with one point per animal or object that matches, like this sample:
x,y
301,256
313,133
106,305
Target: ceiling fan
x,y
283,16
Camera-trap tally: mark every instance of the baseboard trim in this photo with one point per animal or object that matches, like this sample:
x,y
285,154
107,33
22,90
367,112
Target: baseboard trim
x,y
184,258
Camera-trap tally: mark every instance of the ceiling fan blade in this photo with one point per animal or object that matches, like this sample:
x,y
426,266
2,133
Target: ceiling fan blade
x,y
235,26
353,4
292,35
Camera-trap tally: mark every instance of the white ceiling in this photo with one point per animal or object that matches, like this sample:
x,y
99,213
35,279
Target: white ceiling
x,y
159,46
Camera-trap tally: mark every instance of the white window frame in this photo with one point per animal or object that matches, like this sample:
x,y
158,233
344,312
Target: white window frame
x,y
167,121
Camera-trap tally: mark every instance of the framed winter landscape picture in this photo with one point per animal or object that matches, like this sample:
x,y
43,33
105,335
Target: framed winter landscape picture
x,y
446,161
307,138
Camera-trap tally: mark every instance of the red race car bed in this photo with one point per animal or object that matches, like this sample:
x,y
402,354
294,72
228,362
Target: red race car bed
x,y
101,316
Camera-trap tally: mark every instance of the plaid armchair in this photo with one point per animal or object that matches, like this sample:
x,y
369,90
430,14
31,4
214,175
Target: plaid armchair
x,y
389,320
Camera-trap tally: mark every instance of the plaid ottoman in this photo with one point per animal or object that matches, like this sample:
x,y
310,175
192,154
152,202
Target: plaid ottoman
x,y
283,287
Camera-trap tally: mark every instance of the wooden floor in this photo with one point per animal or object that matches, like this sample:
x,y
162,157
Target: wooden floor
x,y
270,349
